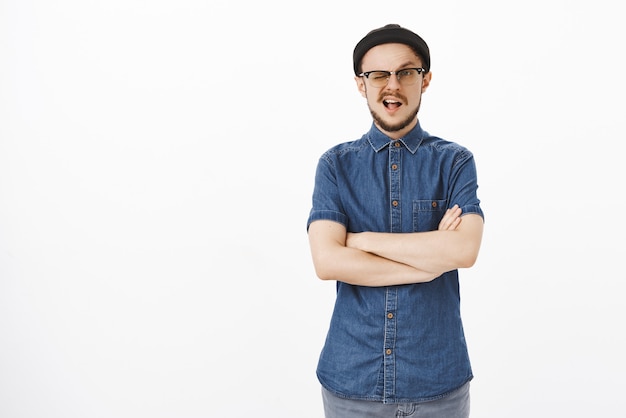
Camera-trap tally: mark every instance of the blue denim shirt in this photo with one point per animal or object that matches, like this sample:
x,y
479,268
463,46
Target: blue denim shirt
x,y
398,343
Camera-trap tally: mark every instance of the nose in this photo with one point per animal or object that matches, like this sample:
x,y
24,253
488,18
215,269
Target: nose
x,y
393,82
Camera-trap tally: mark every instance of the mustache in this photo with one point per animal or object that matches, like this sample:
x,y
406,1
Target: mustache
x,y
399,96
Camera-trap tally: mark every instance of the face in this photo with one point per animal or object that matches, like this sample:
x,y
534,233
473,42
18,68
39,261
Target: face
x,y
394,107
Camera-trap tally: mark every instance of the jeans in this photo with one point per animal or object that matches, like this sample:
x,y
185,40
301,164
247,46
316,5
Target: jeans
x,y
455,405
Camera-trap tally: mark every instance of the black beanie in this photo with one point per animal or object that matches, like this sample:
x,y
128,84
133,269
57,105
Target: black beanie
x,y
391,33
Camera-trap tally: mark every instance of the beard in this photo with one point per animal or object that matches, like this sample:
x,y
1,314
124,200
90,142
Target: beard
x,y
398,126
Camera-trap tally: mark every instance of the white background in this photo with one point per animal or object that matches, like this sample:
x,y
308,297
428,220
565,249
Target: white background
x,y
156,167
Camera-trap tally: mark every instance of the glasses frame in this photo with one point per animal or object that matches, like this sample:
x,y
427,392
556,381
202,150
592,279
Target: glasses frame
x,y
366,74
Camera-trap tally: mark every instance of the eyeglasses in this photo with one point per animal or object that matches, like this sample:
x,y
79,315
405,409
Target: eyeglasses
x,y
406,77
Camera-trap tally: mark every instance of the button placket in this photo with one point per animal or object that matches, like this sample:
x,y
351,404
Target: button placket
x,y
395,155
391,302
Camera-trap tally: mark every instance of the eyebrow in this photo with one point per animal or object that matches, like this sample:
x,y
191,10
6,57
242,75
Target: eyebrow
x,y
407,64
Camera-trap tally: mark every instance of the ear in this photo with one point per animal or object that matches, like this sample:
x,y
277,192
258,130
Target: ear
x,y
360,84
426,81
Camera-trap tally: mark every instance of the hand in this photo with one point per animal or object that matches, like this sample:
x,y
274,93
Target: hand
x,y
451,219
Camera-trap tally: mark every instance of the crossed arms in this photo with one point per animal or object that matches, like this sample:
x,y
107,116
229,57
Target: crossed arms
x,y
386,259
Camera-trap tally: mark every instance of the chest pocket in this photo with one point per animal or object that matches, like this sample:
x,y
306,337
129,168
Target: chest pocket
x,y
427,214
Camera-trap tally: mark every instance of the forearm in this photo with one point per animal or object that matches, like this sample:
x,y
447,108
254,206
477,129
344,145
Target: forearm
x,y
442,250
333,260
357,267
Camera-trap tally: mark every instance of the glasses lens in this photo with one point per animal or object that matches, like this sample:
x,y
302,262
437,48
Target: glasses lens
x,y
378,78
408,77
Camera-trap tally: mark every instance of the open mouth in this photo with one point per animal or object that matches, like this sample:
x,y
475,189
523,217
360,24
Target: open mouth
x,y
391,104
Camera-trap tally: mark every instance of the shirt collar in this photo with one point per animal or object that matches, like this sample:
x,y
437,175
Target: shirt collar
x,y
411,141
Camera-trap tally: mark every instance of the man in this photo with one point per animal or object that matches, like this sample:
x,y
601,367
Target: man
x,y
394,215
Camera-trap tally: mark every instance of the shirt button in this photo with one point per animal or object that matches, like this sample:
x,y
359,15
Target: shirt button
x,y
434,204
396,144
394,166
394,203
390,315
388,351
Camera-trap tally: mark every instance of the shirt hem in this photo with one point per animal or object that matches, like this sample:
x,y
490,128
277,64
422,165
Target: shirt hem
x,y
394,400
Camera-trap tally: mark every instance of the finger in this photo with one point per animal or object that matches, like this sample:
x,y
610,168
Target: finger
x,y
444,220
452,224
447,219
451,218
